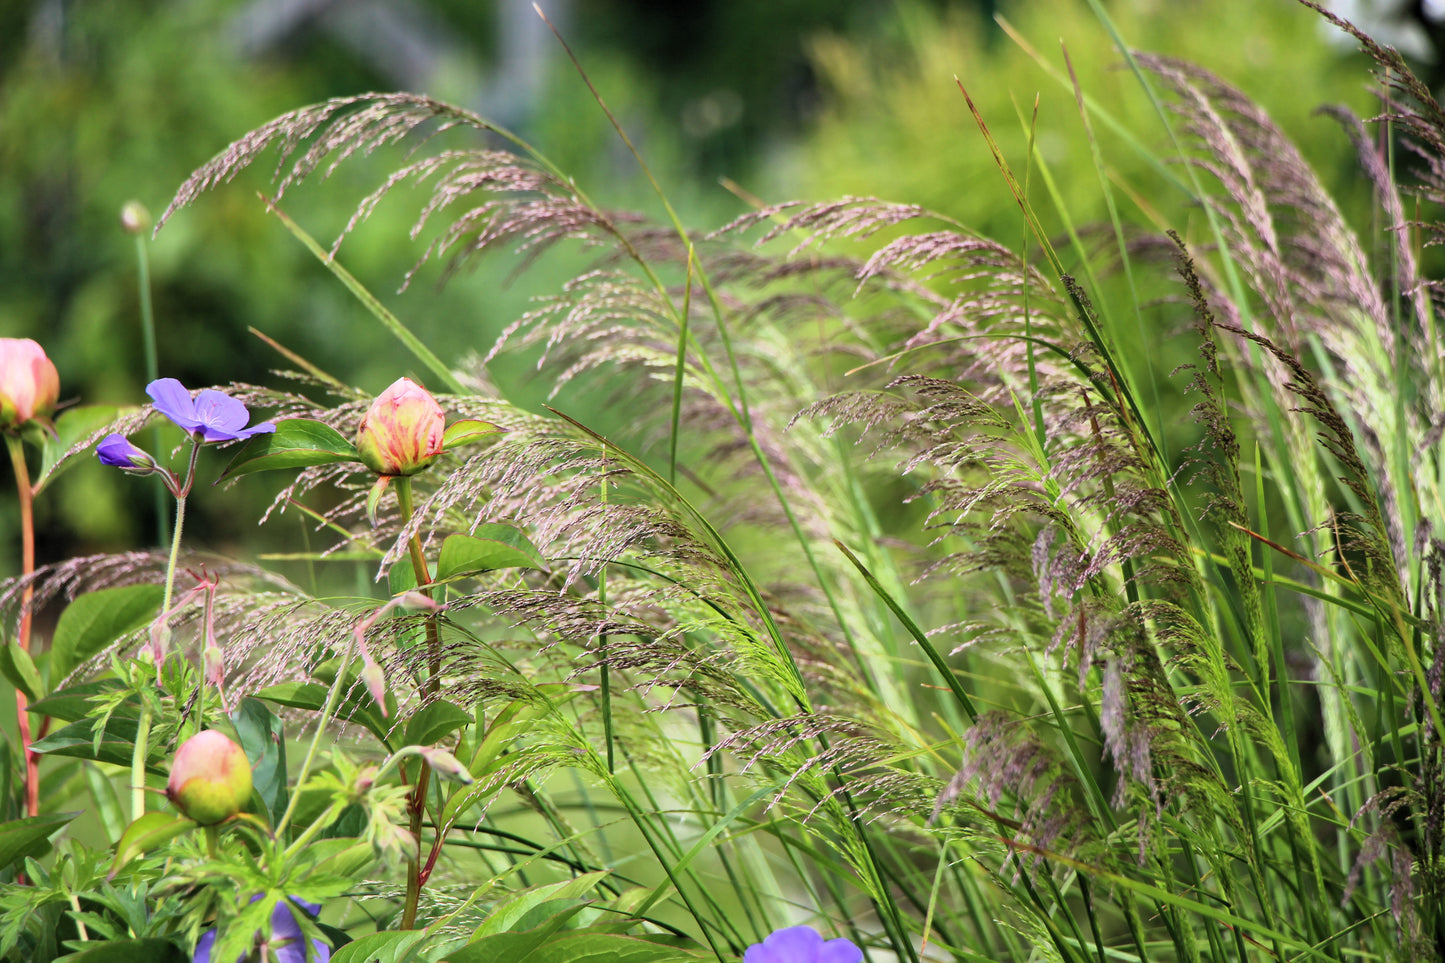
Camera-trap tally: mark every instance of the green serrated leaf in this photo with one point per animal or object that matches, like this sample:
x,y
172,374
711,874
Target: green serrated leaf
x,y
96,619
296,443
263,738
435,721
21,838
19,670
71,427
388,947
75,702
466,432
153,950
491,547
114,744
146,833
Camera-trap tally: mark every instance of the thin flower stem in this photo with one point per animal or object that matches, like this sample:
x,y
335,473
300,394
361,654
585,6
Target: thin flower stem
x,y
417,805
148,341
142,734
26,496
327,711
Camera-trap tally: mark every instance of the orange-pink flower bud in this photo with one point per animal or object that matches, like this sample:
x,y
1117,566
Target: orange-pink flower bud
x,y
210,778
29,383
401,433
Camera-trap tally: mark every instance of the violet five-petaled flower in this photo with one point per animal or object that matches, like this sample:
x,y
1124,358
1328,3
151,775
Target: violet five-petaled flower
x,y
211,415
117,451
283,944
802,944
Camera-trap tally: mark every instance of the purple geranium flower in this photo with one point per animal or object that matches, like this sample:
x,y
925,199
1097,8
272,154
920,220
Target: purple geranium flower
x,y
117,451
211,415
802,944
284,942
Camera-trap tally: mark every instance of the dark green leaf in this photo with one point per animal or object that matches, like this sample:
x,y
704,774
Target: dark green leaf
x,y
435,721
491,547
74,703
29,836
296,443
263,738
356,706
97,619
78,740
19,670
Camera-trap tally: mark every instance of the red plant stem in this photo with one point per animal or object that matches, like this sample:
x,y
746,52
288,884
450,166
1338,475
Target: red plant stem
x,y
416,806
27,569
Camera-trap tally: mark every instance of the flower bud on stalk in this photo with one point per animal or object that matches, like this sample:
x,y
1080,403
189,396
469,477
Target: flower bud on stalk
x,y
210,778
29,383
401,433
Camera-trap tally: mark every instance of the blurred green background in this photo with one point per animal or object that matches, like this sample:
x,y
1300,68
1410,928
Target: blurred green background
x,y
105,101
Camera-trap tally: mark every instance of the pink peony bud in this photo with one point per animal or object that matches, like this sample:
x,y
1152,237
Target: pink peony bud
x,y
402,431
29,383
210,778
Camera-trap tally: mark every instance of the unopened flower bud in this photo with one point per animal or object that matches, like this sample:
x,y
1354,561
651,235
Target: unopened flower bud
x,y
402,431
117,451
446,765
134,218
29,383
210,778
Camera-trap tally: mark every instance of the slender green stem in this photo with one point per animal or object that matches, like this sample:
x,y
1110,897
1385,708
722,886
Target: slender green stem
x,y
148,342
142,734
327,711
26,495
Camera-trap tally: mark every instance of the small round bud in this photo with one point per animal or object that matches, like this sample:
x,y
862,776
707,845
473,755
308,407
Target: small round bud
x,y
134,218
210,778
29,383
401,433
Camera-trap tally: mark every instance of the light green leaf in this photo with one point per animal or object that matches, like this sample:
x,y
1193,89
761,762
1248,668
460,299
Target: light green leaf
x,y
19,670
296,443
97,619
491,547
466,432
435,721
146,833
71,427
505,917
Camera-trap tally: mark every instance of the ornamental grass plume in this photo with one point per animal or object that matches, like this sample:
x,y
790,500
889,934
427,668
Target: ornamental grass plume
x,y
29,383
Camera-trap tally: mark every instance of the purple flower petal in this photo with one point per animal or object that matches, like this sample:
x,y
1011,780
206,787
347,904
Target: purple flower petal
x,y
793,944
117,451
213,415
203,947
840,951
174,401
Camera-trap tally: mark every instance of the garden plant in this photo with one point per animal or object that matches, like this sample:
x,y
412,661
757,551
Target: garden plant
x,y
892,593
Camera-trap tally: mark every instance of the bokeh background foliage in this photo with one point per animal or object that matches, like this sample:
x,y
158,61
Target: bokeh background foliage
x,y
103,102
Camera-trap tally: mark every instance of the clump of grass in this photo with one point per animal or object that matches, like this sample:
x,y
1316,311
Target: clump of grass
x,y
903,596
